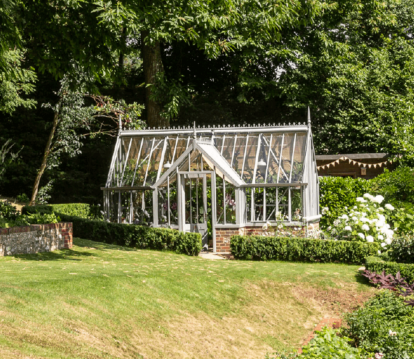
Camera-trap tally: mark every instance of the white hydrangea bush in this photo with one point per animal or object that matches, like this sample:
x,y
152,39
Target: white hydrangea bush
x,y
365,222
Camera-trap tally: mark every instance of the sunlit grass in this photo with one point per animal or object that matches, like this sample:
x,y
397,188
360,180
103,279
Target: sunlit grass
x,y
103,301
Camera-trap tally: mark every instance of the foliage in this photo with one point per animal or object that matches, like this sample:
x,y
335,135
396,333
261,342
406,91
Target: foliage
x,y
43,196
354,66
10,217
384,325
22,198
367,221
82,210
338,194
15,82
8,211
136,236
329,344
401,250
6,157
378,265
300,249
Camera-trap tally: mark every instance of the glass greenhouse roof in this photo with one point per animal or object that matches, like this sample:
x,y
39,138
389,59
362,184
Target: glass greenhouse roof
x,y
249,155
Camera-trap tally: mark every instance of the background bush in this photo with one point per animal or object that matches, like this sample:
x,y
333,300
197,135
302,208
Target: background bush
x,y
339,194
135,236
402,250
300,249
396,186
370,326
376,264
82,210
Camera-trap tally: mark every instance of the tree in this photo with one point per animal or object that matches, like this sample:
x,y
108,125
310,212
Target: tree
x,y
355,68
216,27
71,115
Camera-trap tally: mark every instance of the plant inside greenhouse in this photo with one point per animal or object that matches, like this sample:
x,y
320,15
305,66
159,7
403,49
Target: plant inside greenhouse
x,y
216,181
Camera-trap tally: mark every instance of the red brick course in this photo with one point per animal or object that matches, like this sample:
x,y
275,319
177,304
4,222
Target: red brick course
x,y
223,235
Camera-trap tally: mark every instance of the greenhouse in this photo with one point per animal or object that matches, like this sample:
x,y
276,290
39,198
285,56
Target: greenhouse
x,y
216,181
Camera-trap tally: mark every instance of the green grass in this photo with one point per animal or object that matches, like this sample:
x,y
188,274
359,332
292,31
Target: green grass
x,y
105,301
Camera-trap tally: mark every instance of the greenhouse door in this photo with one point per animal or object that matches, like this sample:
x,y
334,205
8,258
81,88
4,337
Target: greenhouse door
x,y
194,209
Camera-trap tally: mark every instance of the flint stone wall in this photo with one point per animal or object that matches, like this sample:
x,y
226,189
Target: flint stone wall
x,y
35,238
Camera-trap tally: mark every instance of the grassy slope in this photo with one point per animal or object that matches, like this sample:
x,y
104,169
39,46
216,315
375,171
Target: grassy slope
x,y
102,301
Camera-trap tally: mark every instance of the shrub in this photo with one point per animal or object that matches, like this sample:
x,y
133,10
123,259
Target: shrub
x,y
71,209
395,186
7,211
378,265
328,344
384,325
300,249
402,250
135,236
338,194
365,222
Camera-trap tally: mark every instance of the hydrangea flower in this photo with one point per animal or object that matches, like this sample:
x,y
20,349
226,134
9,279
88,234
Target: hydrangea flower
x,y
378,199
365,227
348,228
389,206
361,235
380,237
370,239
360,199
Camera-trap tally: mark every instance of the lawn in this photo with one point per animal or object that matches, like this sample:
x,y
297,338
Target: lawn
x,y
105,301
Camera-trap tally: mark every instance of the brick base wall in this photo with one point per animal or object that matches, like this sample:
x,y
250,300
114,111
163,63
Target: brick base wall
x,y
35,238
223,235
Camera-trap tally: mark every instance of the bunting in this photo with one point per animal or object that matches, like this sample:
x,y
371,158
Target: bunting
x,y
344,158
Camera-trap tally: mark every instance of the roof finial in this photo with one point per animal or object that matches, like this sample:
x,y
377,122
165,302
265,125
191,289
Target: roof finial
x,y
195,133
120,124
309,118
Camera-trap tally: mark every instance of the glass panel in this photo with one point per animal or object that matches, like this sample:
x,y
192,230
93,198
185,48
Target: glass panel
x,y
274,158
220,200
239,151
283,204
143,160
196,161
173,200
228,148
262,160
154,162
258,204
194,200
249,193
230,203
218,142
169,152
296,198
131,161
271,204
286,164
181,147
299,157
250,159
163,206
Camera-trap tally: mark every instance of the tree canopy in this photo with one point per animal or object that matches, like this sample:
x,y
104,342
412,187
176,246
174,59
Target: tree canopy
x,y
213,62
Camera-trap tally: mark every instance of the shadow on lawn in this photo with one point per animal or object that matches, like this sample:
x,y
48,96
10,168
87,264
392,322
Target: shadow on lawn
x,y
88,244
64,254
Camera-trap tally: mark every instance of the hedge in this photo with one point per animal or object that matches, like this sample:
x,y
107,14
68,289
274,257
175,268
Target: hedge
x,y
71,209
135,236
378,265
300,249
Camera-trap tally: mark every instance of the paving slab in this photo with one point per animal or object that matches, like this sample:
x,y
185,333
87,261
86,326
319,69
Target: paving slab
x,y
209,255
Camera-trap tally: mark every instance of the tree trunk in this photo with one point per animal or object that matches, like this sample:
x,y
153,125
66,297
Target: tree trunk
x,y
44,160
152,62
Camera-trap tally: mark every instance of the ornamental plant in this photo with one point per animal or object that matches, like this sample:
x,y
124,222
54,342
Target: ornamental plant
x,y
366,221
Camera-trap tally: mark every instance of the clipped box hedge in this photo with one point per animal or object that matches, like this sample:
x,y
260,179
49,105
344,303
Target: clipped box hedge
x,y
378,265
301,249
71,209
135,236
